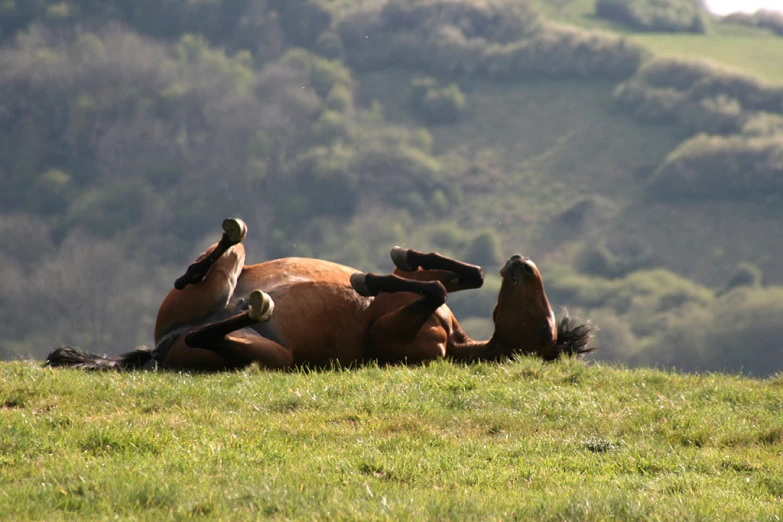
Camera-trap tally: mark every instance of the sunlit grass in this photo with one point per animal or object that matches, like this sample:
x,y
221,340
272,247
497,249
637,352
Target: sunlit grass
x,y
760,56
525,440
751,50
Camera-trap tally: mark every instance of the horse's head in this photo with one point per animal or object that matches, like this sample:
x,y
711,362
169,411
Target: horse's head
x,y
524,320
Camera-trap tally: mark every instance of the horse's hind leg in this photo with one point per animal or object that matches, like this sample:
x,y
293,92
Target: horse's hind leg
x,y
234,231
208,285
235,350
231,343
455,275
259,309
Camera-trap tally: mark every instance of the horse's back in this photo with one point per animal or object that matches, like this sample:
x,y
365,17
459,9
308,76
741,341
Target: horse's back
x,y
318,316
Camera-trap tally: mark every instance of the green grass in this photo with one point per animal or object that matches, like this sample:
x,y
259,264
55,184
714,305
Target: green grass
x,y
757,52
759,55
524,440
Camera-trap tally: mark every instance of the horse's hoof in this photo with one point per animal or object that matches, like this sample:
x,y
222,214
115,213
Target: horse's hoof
x,y
399,257
261,306
235,229
359,283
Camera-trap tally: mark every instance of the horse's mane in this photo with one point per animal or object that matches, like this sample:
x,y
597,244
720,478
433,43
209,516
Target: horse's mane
x,y
573,338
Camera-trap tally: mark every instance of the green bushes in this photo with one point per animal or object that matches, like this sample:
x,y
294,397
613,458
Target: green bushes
x,y
485,250
741,329
654,317
655,15
435,105
746,275
743,161
497,39
762,18
722,167
699,96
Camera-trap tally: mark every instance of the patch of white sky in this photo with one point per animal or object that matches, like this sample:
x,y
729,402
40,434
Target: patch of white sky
x,y
723,7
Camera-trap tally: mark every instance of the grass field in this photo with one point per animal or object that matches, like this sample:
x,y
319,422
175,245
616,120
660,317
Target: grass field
x,y
524,440
753,51
759,56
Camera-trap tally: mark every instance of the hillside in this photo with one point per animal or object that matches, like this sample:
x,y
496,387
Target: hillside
x,y
647,185
523,440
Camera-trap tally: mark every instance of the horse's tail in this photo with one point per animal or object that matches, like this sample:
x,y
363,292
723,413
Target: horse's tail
x,y
71,357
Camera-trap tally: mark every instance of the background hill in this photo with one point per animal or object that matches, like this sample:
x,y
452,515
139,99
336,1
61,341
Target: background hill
x,y
634,150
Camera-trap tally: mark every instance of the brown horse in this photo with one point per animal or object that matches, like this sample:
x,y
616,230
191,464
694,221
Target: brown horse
x,y
295,311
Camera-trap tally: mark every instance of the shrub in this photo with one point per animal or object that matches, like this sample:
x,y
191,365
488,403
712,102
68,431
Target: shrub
x,y
485,250
656,290
739,331
397,172
324,178
302,20
332,125
655,15
745,275
717,167
501,39
340,99
433,105
763,124
587,213
718,115
700,96
762,18
323,75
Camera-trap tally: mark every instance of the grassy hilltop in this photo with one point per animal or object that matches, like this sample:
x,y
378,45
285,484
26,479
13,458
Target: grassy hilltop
x,y
518,441
632,149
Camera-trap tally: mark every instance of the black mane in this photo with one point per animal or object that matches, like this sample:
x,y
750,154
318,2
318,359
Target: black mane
x,y
573,338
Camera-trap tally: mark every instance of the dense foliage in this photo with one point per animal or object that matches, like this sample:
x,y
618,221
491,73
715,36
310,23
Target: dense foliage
x,y
718,167
337,129
762,18
500,39
655,15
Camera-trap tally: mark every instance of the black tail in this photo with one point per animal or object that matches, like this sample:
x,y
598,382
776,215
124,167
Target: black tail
x,y
74,358
573,338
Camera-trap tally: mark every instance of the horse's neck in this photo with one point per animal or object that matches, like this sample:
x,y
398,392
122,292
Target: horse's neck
x,y
464,348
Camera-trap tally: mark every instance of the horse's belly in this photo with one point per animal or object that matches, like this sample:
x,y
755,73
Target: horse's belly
x,y
319,323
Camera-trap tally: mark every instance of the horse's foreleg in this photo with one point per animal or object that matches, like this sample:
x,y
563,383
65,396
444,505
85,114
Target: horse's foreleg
x,y
406,321
234,231
455,275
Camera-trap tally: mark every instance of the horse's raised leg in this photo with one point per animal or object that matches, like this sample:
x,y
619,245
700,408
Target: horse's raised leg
x,y
234,231
231,343
404,330
455,275
208,284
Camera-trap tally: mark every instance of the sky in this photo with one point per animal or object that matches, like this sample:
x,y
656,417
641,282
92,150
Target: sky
x,y
747,6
